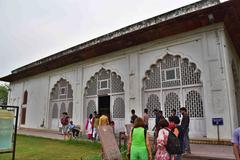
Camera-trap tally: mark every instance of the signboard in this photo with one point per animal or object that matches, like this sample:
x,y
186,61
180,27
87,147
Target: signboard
x,y
6,130
109,144
217,121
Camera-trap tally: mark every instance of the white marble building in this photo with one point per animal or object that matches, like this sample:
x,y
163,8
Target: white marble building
x,y
141,66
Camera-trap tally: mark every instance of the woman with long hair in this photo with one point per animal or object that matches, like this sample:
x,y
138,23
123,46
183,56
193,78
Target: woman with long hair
x,y
139,147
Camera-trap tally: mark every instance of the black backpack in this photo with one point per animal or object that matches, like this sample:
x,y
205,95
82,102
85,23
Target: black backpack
x,y
173,145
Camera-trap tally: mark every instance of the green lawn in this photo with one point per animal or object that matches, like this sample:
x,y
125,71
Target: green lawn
x,y
35,148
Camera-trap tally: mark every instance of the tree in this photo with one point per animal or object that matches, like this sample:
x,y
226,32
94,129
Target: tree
x,y
4,94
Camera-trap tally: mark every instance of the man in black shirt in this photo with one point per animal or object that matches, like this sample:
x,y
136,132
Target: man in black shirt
x,y
133,117
185,125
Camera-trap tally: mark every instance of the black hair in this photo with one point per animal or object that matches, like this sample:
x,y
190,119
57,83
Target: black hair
x,y
133,111
183,109
176,120
90,116
173,110
145,110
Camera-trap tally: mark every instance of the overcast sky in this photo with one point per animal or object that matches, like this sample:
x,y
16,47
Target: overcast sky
x,y
33,29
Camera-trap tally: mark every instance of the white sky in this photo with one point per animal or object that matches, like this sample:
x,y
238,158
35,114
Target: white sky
x,y
33,29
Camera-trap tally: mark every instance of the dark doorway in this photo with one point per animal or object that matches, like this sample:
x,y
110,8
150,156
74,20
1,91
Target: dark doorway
x,y
104,105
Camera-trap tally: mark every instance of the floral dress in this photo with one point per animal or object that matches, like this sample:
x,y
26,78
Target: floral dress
x,y
162,153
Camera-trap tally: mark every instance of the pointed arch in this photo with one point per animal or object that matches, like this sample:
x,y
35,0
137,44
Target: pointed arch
x,y
104,82
61,90
171,71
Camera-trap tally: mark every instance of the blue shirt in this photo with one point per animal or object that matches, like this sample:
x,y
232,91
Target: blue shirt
x,y
71,126
236,137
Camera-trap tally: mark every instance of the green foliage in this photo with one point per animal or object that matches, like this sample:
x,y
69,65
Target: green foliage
x,y
4,94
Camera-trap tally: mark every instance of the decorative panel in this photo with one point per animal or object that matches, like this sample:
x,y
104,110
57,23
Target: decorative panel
x,y
55,111
92,86
194,104
91,107
70,91
169,61
178,73
153,103
103,74
117,84
63,108
119,108
153,78
171,102
190,74
171,83
70,109
62,90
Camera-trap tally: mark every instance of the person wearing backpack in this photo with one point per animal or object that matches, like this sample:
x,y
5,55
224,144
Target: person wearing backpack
x,y
167,143
161,153
139,147
65,122
180,134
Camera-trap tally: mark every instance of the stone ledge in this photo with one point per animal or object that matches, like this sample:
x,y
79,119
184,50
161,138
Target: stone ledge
x,y
210,141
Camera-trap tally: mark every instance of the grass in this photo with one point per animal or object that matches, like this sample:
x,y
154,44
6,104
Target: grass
x,y
35,148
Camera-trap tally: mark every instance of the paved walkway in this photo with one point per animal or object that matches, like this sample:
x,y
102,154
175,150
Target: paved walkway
x,y
199,151
210,152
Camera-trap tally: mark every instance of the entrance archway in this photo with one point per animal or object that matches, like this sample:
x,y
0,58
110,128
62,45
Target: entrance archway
x,y
173,82
61,100
104,92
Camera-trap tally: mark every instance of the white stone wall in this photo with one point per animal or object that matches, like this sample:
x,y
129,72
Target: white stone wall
x,y
231,58
204,47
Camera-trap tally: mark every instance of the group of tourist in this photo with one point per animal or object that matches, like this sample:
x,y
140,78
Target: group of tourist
x,y
93,122
171,138
68,128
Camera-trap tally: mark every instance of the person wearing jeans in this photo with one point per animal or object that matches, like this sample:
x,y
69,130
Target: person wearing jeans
x,y
185,125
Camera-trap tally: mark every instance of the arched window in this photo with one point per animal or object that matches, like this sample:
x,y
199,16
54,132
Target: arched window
x,y
63,108
70,109
171,78
55,111
25,97
153,103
